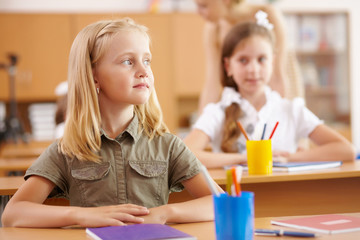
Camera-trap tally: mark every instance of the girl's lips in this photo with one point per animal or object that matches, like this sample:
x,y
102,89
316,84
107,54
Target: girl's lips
x,y
251,80
141,85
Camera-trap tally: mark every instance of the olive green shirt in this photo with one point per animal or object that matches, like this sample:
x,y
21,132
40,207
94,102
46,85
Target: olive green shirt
x,y
133,170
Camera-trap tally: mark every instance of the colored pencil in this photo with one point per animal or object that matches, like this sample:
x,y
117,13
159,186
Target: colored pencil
x,y
242,130
272,133
209,181
235,182
229,181
263,134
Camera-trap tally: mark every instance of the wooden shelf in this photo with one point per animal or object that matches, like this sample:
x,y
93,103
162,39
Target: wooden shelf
x,y
320,53
320,91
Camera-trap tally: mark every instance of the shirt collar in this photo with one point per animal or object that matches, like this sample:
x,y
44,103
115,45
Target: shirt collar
x,y
272,99
230,95
131,130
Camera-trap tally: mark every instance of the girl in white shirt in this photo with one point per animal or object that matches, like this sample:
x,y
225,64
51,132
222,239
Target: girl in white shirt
x,y
247,65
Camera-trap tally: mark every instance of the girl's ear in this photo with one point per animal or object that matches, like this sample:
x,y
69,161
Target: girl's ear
x,y
273,60
95,78
227,66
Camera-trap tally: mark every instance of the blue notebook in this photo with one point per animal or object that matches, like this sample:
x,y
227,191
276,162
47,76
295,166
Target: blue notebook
x,y
303,166
300,166
138,232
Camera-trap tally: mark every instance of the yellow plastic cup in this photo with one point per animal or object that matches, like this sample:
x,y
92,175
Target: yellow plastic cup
x,y
259,156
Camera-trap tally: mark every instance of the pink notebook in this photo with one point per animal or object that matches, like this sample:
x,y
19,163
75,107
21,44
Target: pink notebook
x,y
330,224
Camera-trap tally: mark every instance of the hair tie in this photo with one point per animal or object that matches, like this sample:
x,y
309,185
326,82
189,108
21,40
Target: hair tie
x,y
229,96
262,20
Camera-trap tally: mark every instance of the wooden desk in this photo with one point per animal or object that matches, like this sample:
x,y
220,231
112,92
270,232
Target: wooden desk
x,y
333,190
14,164
23,150
9,185
203,231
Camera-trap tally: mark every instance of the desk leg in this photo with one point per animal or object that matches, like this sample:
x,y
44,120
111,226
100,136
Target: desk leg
x,y
3,201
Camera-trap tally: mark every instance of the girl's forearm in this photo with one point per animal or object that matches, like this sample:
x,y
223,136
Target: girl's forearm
x,y
217,160
197,210
28,214
335,151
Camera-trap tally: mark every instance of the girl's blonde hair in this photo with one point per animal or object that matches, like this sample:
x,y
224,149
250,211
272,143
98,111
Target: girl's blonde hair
x,y
237,35
82,136
235,2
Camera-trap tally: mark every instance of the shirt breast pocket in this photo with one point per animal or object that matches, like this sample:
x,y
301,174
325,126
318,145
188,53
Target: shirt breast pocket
x,y
91,185
148,182
91,171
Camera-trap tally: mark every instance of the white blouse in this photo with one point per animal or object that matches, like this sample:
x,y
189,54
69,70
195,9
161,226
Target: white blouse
x,y
295,120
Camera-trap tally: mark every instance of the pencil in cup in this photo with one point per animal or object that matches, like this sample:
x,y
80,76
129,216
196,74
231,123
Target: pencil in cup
x,y
233,178
273,131
242,130
209,181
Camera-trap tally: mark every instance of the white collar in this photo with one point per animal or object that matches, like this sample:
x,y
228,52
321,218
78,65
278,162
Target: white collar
x,y
230,95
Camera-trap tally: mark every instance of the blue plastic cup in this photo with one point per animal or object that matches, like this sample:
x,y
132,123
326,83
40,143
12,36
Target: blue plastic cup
x,y
234,216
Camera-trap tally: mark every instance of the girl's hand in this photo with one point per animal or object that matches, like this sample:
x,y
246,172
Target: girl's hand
x,y
281,156
157,215
110,215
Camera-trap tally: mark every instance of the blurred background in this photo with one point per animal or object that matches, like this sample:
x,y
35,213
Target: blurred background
x,y
36,35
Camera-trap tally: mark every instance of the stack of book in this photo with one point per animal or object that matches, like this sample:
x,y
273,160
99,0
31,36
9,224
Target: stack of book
x,y
42,121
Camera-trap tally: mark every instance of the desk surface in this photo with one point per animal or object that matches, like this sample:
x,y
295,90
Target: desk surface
x,y
9,185
203,231
20,150
346,170
14,164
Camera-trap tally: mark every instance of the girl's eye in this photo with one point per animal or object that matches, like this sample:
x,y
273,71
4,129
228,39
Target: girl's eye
x,y
243,60
127,62
147,62
262,59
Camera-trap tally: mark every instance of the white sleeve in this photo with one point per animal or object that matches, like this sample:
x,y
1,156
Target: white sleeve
x,y
305,120
211,121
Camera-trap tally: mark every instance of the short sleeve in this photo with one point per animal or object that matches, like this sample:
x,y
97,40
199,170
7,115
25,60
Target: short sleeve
x,y
50,165
305,120
211,122
183,165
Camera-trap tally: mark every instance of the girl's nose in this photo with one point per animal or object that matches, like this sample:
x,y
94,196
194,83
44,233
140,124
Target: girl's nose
x,y
142,72
143,75
253,66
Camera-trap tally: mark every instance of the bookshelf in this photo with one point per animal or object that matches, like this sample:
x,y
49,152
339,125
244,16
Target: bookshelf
x,y
321,41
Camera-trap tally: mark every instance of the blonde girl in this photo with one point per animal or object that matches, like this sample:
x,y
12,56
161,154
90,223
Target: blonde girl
x,y
116,161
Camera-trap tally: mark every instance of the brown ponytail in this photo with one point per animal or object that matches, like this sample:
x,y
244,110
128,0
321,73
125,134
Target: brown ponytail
x,y
231,130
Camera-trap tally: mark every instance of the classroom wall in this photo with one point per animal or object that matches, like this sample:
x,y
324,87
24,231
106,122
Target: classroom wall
x,y
351,6
90,6
70,6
